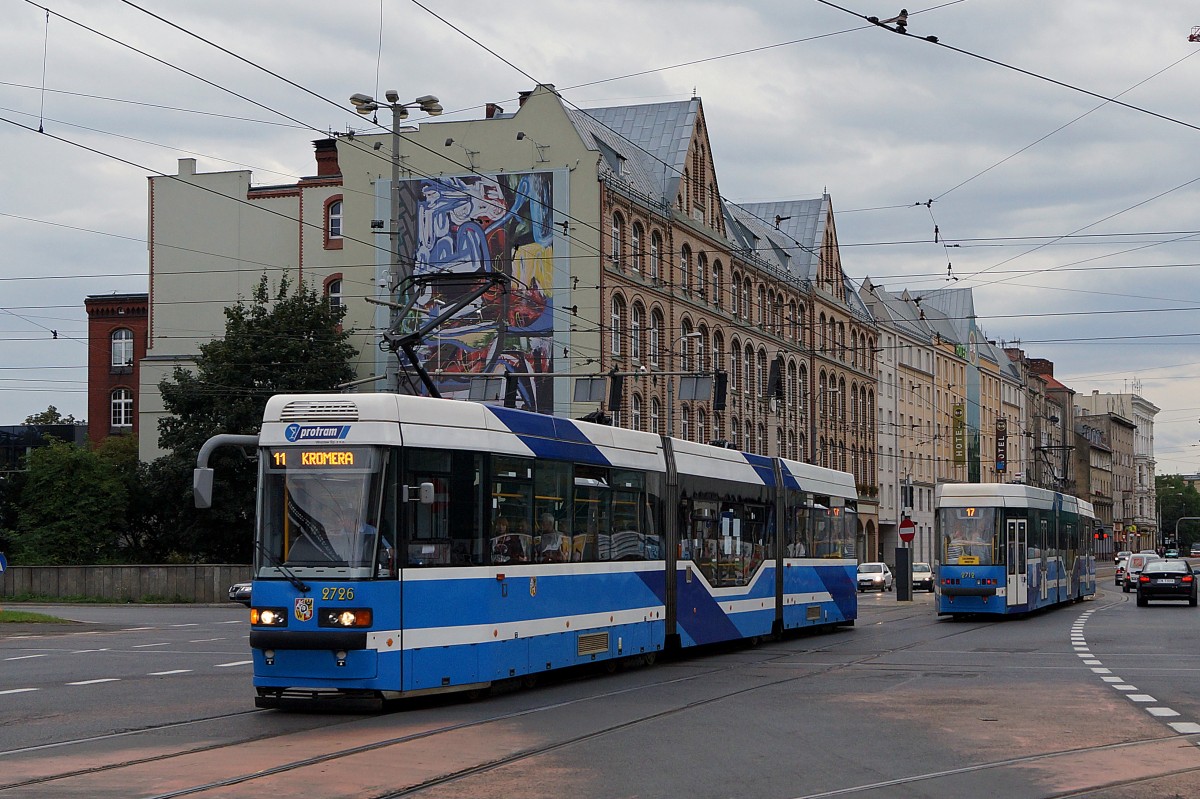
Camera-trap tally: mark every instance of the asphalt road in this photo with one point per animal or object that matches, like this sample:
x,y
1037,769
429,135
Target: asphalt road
x,y
1099,699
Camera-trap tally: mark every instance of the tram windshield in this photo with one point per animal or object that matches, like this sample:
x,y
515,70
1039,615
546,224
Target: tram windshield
x,y
968,536
319,509
833,529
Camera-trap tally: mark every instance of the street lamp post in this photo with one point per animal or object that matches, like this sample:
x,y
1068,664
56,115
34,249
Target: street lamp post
x,y
366,104
671,383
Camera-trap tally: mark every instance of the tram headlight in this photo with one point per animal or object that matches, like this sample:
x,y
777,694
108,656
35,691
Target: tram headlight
x,y
268,617
345,617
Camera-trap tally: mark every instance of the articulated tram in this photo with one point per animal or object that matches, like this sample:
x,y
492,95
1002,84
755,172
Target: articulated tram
x,y
409,545
1011,549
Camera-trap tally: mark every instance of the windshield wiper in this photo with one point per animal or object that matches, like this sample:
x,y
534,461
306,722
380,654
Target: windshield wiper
x,y
300,585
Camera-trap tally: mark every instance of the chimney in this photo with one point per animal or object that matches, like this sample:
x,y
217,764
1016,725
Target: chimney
x,y
492,110
187,166
327,158
523,96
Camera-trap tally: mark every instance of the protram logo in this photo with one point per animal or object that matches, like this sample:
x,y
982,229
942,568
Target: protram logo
x,y
309,432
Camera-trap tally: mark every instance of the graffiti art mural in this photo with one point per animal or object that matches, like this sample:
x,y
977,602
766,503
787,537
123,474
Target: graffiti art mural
x,y
478,224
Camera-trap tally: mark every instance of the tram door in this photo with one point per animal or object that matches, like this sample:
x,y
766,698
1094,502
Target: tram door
x,y
1018,579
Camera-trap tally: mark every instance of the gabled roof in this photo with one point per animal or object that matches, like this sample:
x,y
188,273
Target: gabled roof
x,y
899,311
645,145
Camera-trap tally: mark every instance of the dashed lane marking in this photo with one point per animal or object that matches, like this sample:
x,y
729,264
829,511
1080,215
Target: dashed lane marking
x,y
1119,684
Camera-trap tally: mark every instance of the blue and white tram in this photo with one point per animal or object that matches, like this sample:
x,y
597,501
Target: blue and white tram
x,y
1010,549
408,545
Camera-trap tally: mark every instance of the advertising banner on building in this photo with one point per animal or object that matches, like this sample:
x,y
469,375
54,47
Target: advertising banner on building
x,y
960,432
1001,444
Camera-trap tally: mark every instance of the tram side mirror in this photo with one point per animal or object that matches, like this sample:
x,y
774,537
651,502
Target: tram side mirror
x,y
202,487
425,494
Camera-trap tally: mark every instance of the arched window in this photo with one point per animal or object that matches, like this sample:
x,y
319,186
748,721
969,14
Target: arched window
x,y
655,416
701,425
635,248
685,423
121,403
702,349
748,369
656,327
702,276
655,249
718,349
122,347
744,311
636,320
718,279
735,304
762,373
763,308
685,331
333,223
616,252
685,266
748,436
635,412
802,390
735,364
333,291
735,432
618,325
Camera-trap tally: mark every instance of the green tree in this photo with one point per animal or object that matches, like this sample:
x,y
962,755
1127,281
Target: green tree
x,y
50,416
286,343
1177,500
71,509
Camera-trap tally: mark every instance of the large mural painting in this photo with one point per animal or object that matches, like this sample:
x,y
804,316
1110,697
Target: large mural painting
x,y
474,225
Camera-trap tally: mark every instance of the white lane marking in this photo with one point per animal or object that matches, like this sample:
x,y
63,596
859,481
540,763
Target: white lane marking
x,y
205,640
1161,711
1125,687
1141,698
19,690
235,663
1101,671
165,673
1184,727
25,657
1091,663
93,682
1113,679
143,646
192,624
87,651
235,621
136,629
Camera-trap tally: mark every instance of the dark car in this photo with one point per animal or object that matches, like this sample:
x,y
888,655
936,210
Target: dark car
x,y
922,576
240,592
1166,579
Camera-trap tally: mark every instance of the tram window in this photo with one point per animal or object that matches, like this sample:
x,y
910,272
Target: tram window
x,y
511,538
795,527
445,532
593,514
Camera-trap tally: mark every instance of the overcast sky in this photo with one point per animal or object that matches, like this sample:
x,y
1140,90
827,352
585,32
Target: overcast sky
x,y
1075,220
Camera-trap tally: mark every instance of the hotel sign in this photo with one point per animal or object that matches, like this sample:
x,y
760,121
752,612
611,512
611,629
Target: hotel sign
x,y
960,432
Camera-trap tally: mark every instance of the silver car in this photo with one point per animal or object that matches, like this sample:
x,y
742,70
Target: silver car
x,y
874,576
922,577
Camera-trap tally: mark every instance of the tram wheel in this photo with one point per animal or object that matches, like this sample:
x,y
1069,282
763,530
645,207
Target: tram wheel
x,y
650,658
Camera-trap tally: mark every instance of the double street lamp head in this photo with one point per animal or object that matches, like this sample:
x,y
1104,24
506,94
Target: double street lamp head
x,y
366,104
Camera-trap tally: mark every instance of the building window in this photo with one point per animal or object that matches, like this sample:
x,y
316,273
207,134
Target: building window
x,y
685,266
333,223
615,251
655,249
636,320
333,292
122,347
122,408
635,247
618,325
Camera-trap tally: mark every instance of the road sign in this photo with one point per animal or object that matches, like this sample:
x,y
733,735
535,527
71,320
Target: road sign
x,y
907,530
3,563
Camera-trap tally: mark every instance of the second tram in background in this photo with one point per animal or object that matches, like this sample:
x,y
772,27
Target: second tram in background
x,y
1010,549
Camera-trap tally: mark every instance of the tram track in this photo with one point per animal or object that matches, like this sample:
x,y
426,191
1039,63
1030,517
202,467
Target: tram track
x,y
784,651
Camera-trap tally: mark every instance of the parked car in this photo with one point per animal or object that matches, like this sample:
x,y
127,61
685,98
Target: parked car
x,y
1119,574
1166,579
240,592
1195,551
1124,553
922,576
874,576
1137,562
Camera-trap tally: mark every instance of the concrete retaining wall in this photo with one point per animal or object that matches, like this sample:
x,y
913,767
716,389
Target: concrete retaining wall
x,y
192,583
